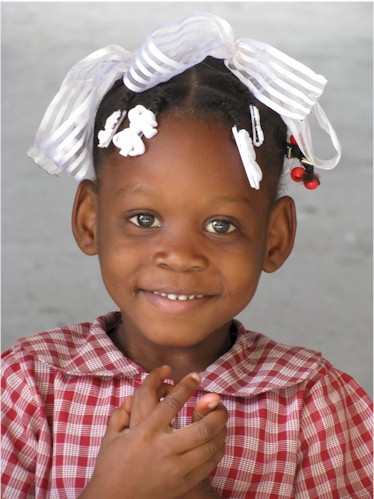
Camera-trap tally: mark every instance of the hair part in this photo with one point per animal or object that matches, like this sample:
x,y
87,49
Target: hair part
x,y
210,92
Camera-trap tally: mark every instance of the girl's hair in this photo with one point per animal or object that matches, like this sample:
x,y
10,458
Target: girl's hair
x,y
207,91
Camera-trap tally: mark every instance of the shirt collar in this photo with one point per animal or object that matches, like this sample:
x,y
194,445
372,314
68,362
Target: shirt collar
x,y
83,349
255,364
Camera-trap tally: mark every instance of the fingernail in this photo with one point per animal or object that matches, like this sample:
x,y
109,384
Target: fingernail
x,y
213,405
196,377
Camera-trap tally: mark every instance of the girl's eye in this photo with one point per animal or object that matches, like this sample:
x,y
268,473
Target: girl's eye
x,y
220,227
145,220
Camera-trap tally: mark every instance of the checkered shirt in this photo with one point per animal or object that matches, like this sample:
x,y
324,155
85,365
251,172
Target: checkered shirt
x,y
297,426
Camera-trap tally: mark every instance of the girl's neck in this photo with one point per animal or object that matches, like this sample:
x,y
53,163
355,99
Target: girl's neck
x,y
182,360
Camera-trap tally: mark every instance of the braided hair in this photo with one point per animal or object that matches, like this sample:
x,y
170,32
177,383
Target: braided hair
x,y
207,91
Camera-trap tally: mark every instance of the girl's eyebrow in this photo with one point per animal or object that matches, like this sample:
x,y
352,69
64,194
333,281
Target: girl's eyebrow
x,y
147,191
136,189
234,199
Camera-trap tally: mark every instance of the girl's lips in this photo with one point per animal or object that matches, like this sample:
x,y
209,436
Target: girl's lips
x,y
174,297
175,303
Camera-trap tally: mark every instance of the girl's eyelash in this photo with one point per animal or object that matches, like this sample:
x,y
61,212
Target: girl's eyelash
x,y
144,220
221,226
148,220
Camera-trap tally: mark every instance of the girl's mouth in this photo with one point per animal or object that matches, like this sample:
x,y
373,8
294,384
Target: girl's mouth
x,y
176,302
174,297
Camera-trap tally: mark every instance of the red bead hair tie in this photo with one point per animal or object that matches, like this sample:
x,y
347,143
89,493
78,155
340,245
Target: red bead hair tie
x,y
304,173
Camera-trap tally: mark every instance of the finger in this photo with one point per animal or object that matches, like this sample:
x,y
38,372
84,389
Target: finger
x,y
200,432
128,404
204,470
119,420
204,459
148,395
211,423
173,402
205,405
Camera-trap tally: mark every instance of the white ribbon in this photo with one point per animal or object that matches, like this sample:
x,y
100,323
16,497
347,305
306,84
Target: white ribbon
x,y
64,138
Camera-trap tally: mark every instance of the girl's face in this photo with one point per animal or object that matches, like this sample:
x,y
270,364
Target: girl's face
x,y
181,236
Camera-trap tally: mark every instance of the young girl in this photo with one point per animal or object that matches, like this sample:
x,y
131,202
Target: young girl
x,y
190,138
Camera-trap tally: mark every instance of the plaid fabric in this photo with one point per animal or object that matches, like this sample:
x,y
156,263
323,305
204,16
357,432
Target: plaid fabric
x,y
298,427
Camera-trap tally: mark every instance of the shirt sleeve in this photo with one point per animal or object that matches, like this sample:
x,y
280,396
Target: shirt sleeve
x,y
25,435
335,453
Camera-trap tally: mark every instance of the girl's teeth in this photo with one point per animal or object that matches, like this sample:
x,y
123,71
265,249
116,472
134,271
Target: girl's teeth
x,y
177,297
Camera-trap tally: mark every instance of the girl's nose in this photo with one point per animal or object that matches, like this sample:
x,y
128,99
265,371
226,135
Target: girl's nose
x,y
181,254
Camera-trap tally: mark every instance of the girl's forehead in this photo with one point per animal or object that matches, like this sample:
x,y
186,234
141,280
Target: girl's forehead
x,y
185,147
187,155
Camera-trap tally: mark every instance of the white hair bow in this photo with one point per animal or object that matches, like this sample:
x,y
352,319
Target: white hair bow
x,y
64,139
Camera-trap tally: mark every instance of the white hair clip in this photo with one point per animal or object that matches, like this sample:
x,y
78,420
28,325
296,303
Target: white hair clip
x,y
257,133
248,156
142,122
64,139
111,126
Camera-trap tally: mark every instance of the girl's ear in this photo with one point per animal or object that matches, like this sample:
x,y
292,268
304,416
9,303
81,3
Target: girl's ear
x,y
84,217
281,234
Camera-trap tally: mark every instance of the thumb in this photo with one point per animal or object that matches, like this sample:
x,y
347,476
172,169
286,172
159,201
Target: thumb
x,y
208,403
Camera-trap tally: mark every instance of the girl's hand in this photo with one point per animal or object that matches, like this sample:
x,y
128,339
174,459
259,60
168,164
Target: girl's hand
x,y
142,456
205,405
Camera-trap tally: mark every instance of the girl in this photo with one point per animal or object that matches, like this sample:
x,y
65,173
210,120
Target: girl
x,y
170,396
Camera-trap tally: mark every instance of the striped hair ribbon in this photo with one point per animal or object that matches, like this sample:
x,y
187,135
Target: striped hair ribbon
x,y
65,137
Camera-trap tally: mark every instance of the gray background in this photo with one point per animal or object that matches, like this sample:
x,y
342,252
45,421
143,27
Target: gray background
x,y
321,298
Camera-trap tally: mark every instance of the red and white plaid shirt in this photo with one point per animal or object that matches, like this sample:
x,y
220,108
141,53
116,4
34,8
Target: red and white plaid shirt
x,y
297,426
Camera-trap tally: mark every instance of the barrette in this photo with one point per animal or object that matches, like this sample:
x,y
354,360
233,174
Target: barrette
x,y
142,121
111,126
